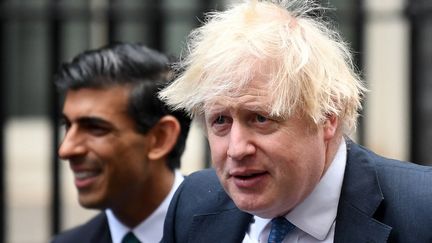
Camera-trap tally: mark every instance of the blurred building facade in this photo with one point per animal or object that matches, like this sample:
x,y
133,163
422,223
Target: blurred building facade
x,y
390,39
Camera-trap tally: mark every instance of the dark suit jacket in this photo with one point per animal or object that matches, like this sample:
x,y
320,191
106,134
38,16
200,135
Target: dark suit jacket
x,y
94,231
382,200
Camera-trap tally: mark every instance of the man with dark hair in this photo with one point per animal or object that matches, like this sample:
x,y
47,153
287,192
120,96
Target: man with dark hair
x,y
122,143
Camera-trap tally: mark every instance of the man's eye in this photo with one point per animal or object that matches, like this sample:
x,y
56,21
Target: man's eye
x,y
97,130
65,125
220,120
261,118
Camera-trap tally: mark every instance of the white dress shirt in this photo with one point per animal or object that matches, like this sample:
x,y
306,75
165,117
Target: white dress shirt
x,y
151,229
315,217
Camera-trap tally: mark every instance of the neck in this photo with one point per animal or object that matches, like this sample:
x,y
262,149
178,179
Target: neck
x,y
139,207
332,148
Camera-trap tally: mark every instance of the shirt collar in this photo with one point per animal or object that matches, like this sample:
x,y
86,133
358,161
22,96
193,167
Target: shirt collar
x,y
317,213
151,228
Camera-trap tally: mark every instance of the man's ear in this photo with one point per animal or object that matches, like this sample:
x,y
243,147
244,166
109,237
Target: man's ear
x,y
164,137
330,127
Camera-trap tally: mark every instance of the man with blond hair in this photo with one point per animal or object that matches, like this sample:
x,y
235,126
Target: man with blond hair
x,y
277,94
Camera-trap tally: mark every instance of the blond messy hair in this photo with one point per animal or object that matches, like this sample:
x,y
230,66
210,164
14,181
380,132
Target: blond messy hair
x,y
306,65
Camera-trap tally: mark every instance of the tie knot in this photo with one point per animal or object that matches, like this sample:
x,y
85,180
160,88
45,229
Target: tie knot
x,y
280,227
130,238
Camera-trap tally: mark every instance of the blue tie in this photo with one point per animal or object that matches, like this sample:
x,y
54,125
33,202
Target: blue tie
x,y
280,227
130,238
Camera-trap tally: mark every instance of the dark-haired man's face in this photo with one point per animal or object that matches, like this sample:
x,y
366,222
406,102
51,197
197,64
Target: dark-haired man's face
x,y
106,155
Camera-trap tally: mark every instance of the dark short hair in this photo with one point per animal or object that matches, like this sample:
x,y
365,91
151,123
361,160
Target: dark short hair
x,y
145,70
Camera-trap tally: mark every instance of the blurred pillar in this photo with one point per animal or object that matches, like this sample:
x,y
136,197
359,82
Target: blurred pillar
x,y
157,18
419,13
55,46
2,125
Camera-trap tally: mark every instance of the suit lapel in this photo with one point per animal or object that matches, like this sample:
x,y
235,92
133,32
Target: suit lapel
x,y
101,232
227,225
360,198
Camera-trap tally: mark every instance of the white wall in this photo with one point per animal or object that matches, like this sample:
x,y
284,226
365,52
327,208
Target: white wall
x,y
386,72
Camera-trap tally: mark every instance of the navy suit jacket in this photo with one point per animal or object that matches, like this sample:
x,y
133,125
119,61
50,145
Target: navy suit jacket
x,y
94,231
382,200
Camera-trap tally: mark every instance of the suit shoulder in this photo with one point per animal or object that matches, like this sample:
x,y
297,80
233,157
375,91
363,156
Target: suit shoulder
x,y
391,167
82,232
405,178
199,195
202,191
205,174
401,182
402,171
203,180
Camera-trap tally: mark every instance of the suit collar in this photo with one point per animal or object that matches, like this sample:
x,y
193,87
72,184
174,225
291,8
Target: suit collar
x,y
99,229
360,198
229,223
227,226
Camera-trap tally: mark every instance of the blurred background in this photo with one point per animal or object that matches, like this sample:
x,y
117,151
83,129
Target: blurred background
x,y
391,40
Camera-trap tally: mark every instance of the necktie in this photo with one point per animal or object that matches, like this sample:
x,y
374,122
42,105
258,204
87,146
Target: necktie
x,y
130,238
280,227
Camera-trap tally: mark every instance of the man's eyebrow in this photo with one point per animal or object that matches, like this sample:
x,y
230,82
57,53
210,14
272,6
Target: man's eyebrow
x,y
215,110
87,120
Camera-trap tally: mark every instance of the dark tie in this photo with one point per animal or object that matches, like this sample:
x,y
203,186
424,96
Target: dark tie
x,y
130,238
280,227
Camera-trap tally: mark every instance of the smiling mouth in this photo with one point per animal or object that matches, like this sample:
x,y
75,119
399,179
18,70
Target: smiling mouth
x,y
86,179
82,175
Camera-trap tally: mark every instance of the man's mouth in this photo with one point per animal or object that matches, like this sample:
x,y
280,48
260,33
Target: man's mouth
x,y
248,176
82,175
84,179
249,180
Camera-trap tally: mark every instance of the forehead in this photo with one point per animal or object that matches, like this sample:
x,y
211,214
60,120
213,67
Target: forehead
x,y
253,95
105,101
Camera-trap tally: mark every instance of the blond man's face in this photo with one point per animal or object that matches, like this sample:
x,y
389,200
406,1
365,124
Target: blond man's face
x,y
266,164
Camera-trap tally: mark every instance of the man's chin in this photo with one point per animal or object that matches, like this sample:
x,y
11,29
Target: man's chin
x,y
255,207
90,203
247,205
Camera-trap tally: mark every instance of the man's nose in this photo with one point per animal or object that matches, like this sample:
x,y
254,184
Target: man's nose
x,y
72,144
241,142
